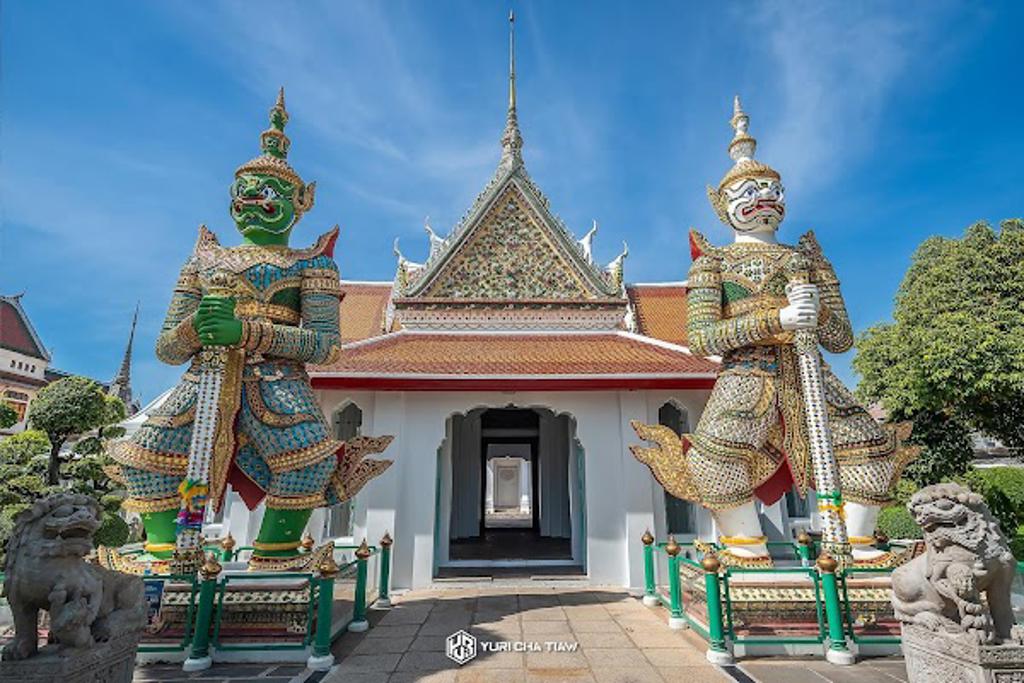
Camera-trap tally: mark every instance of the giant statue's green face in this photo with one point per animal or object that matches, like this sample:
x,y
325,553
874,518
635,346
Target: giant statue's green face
x,y
263,205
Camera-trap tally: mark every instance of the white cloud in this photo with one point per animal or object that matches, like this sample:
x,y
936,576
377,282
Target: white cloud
x,y
835,67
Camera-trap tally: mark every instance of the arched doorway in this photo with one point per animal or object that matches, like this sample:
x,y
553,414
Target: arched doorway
x,y
511,491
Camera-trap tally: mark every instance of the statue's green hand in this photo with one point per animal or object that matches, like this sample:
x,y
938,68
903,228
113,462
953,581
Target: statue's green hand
x,y
219,332
215,321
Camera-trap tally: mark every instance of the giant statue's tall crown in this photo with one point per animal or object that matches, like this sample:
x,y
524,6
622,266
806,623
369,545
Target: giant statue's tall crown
x,y
272,161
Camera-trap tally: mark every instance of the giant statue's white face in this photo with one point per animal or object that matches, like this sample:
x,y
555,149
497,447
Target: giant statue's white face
x,y
755,204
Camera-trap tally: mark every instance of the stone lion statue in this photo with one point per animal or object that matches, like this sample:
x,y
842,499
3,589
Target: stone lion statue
x,y
45,570
966,556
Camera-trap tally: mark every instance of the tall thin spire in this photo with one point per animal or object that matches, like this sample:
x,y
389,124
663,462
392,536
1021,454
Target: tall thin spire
x,y
511,60
511,139
121,386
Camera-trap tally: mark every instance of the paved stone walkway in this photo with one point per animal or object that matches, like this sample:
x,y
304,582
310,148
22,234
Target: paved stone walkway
x,y
613,638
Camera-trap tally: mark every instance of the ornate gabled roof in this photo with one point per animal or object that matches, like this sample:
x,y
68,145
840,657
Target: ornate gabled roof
x,y
16,330
509,251
510,246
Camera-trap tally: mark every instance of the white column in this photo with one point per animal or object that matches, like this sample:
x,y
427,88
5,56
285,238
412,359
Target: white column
x,y
379,499
636,481
599,429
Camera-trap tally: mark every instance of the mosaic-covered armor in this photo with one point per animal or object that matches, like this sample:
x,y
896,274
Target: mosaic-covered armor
x,y
271,442
746,304
751,438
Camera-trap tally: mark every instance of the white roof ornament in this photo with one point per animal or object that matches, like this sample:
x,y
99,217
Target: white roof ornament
x,y
587,242
615,268
437,243
402,261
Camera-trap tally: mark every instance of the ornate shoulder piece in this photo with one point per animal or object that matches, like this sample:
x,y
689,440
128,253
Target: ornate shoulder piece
x,y
324,246
809,247
700,246
205,240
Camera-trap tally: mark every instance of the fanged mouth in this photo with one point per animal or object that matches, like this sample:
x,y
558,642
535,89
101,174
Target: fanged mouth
x,y
762,205
255,202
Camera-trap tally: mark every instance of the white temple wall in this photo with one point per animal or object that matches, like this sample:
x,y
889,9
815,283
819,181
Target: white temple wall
x,y
622,499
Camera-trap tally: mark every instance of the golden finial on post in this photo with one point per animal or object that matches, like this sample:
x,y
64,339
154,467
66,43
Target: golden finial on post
x,y
803,538
711,563
386,541
827,563
647,538
363,551
211,568
307,542
228,542
328,568
672,548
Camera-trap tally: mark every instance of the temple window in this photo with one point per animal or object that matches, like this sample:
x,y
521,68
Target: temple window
x,y
347,423
680,515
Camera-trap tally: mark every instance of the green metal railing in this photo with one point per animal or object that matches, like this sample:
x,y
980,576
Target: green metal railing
x,y
190,610
206,605
834,619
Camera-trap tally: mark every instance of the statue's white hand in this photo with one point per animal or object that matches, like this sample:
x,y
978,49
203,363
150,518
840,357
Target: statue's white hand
x,y
802,311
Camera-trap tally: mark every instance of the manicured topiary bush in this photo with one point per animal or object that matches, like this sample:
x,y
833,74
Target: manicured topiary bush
x,y
113,532
897,523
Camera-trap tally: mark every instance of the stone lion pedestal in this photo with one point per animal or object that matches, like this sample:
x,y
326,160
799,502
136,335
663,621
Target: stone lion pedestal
x,y
96,615
110,662
936,656
953,601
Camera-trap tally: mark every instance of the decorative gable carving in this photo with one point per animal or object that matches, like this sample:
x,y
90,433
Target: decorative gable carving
x,y
511,256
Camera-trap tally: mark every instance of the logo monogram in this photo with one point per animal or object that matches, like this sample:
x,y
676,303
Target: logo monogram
x,y
460,647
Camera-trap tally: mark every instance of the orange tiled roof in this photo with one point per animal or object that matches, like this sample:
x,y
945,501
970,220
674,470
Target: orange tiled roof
x,y
363,310
583,354
660,311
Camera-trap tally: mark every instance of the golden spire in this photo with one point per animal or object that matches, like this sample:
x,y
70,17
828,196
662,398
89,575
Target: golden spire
x,y
511,140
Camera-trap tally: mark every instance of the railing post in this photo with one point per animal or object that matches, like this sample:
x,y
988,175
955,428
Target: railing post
x,y
650,595
199,658
383,598
227,548
321,658
718,650
675,590
359,622
803,548
837,652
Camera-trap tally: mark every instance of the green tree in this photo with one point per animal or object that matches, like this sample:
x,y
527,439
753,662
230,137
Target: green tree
x,y
67,408
8,416
20,448
952,360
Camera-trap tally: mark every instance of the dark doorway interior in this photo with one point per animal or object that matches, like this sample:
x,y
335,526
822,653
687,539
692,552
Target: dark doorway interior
x,y
510,426
511,544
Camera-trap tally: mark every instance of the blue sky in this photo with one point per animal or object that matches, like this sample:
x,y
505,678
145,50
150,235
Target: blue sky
x,y
122,124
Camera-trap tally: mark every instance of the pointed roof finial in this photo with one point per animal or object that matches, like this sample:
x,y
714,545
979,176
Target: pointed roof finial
x,y
121,385
511,59
511,139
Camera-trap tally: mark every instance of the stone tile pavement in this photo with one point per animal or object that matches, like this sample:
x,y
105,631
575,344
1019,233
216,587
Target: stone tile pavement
x,y
604,636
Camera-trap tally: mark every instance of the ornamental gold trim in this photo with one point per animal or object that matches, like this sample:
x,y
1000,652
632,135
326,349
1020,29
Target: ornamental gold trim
x,y
313,500
299,458
142,505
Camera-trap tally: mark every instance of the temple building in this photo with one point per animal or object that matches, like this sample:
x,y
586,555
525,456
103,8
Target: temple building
x,y
25,364
508,367
24,361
